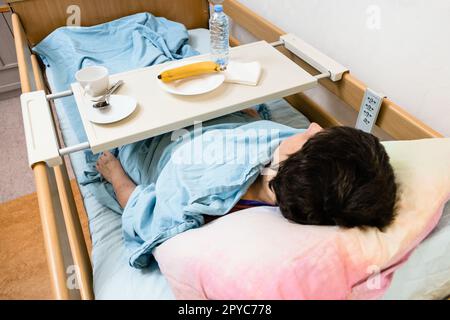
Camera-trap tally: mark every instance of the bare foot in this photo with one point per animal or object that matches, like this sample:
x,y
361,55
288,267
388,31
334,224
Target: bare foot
x,y
111,169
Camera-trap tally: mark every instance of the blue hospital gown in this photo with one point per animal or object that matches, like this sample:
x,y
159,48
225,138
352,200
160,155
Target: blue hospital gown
x,y
204,172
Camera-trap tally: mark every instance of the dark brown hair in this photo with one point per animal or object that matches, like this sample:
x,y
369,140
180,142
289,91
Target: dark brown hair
x,y
341,176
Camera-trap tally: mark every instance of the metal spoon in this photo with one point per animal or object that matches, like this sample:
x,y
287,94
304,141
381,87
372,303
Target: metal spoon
x,y
103,102
102,98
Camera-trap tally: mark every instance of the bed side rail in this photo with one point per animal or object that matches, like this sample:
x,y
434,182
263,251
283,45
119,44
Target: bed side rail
x,y
394,120
42,145
66,250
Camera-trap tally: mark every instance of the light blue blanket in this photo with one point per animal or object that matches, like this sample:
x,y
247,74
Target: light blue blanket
x,y
131,42
202,172
135,41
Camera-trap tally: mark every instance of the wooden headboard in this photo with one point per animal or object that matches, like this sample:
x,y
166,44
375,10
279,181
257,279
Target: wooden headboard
x,y
40,17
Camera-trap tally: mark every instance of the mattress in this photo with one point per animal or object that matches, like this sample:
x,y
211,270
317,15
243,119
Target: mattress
x,y
113,277
426,275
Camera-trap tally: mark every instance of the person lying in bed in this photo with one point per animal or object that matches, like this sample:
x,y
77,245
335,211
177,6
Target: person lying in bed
x,y
338,176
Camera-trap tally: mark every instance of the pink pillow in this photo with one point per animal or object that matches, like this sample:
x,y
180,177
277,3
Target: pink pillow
x,y
257,254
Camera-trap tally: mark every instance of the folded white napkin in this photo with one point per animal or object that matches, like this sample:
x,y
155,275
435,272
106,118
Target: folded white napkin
x,y
243,73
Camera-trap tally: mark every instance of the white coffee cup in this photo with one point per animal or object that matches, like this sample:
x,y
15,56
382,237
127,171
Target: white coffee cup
x,y
94,80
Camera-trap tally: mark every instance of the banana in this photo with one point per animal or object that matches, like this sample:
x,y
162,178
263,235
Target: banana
x,y
189,70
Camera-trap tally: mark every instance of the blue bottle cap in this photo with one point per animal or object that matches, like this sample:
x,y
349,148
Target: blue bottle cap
x,y
218,8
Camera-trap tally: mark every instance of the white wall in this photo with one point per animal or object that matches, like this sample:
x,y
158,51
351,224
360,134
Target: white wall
x,y
398,47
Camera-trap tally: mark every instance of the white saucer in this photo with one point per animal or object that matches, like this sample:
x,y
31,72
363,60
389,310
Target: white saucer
x,y
192,86
120,108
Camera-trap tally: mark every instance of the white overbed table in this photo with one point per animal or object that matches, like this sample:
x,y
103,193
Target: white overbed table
x,y
160,112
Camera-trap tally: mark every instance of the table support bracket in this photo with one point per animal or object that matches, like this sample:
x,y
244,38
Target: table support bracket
x,y
312,56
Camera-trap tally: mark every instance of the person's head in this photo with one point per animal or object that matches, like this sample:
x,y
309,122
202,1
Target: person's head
x,y
338,176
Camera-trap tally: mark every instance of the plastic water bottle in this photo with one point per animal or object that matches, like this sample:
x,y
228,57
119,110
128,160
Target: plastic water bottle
x,y
219,27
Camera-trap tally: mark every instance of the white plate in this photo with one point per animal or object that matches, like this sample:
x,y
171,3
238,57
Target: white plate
x,y
195,85
120,108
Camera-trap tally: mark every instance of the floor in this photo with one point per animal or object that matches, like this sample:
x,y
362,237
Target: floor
x,y
24,273
23,267
13,154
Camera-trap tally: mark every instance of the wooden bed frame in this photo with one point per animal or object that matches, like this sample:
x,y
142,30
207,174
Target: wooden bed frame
x,y
34,19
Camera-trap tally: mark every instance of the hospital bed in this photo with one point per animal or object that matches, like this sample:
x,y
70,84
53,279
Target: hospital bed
x,y
107,275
